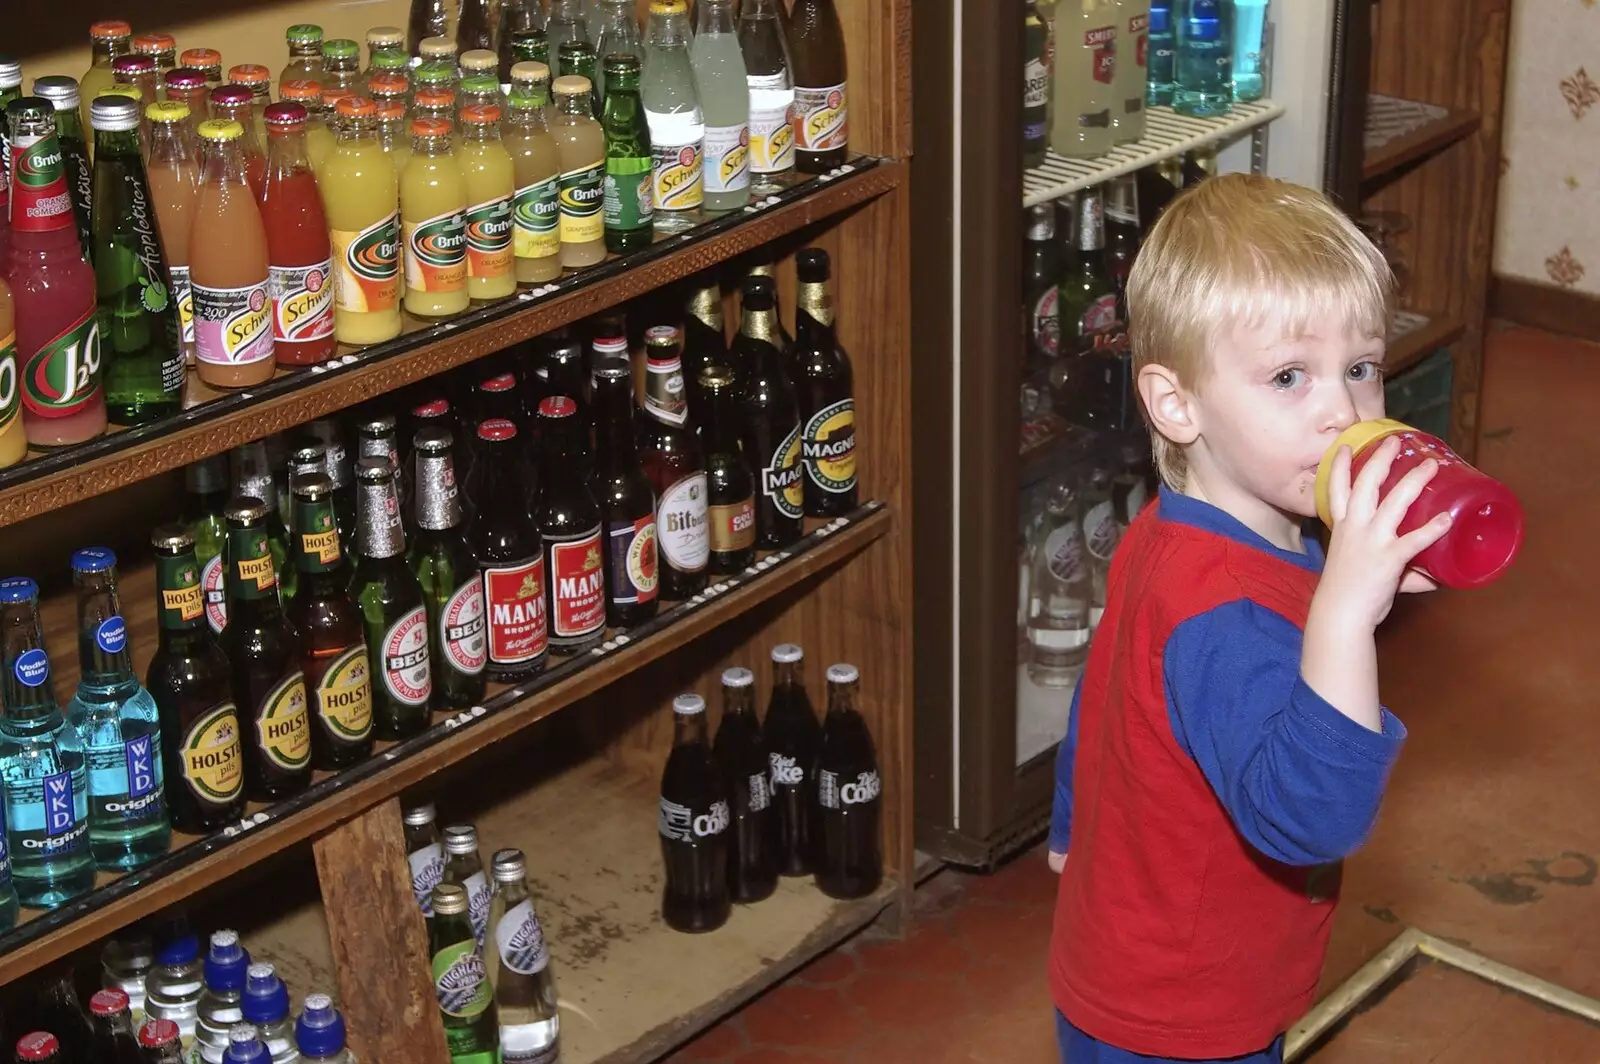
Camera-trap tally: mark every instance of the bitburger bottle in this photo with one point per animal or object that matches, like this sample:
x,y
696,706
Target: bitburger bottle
x,y
511,559
391,607
824,385
189,677
447,571
569,524
333,646
731,484
627,503
693,824
264,654
742,758
675,463
771,418
849,856
792,736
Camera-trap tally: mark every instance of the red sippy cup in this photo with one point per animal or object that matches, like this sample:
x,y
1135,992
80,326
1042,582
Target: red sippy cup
x,y
1487,522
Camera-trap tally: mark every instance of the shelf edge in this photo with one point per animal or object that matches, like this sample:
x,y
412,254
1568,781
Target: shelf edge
x,y
1419,145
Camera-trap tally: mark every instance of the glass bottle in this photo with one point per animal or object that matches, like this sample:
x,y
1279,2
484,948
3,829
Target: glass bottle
x,y
305,54
466,1001
118,723
473,29
1059,594
447,571
253,477
385,40
187,86
577,58
741,756
693,824
1087,302
237,103
491,188
229,267
674,460
391,604
1131,78
112,1021
218,1011
721,83
619,35
109,40
206,488
629,201
140,72
206,60
440,49
376,437
160,1042
141,338
769,75
1035,85
705,341
528,47
477,90
424,854
1085,70
464,866
569,524
341,65
174,173
824,385
433,203
160,47
729,481
581,144
1203,82
511,558
849,861
361,195
428,18
125,961
771,418
60,1010
677,123
326,431
62,92
258,79
821,93
792,735
567,22
536,164
627,503
1163,52
518,18
519,967
317,134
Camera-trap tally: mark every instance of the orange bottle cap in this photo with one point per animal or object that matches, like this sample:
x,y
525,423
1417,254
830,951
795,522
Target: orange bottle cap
x,y
356,107
154,42
430,127
301,91
388,83
481,114
251,74
201,57
436,98
389,110
109,28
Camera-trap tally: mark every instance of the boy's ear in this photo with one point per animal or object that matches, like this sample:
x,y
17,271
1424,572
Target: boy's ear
x,y
1166,403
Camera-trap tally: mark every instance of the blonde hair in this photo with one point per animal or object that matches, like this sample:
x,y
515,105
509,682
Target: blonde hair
x,y
1242,250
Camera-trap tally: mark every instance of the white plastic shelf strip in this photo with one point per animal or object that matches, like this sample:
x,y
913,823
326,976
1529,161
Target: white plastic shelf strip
x,y
1167,134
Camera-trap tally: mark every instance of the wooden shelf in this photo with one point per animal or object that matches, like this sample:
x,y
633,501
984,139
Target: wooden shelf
x,y
196,863
1400,132
1414,337
215,422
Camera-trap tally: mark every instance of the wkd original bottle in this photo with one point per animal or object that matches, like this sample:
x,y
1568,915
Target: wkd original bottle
x,y
849,855
742,758
460,983
569,524
518,960
627,503
792,736
693,824
391,605
447,571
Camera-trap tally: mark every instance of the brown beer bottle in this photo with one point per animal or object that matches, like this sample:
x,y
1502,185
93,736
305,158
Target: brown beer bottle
x,y
333,647
824,387
627,503
569,524
511,558
264,653
771,418
705,341
821,123
731,485
391,606
675,463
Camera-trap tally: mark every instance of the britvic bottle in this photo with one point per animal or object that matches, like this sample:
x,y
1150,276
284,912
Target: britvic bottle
x,y
62,91
569,524
582,148
265,1003
460,983
693,824
491,187
742,758
720,82
319,1033
464,867
769,76
536,162
362,196
391,604
41,763
849,855
672,108
118,723
433,206
447,570
518,960
218,1011
792,736
424,853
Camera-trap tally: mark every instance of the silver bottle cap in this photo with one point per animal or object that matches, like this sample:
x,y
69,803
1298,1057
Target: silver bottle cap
x,y
380,533
112,114
738,677
10,73
438,497
688,705
243,1034
62,91
460,839
449,899
509,866
843,674
419,816
787,653
224,939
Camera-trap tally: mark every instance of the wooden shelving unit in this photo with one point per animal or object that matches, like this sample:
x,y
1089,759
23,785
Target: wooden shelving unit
x,y
1401,132
1413,337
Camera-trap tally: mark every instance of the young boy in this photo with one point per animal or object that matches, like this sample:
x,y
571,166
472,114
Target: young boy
x,y
1227,747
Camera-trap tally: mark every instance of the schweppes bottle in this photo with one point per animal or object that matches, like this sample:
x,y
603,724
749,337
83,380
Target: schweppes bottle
x,y
824,387
333,647
771,418
264,653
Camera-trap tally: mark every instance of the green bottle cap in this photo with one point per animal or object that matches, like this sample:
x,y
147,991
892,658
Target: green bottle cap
x,y
341,48
303,33
387,60
481,83
435,73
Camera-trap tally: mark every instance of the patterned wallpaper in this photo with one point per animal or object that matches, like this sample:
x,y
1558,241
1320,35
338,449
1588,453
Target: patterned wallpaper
x,y
1548,223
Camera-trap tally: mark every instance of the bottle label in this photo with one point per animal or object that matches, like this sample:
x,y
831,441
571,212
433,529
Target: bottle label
x,y
489,226
461,629
125,780
344,695
1102,46
1046,323
664,395
183,295
478,898
780,480
5,853
1098,316
150,275
677,176
460,981
436,253
727,158
1100,530
679,823
63,376
319,550
213,763
786,770
771,132
111,635
633,561
520,940
733,527
183,603
283,730
40,199
578,578
831,794
407,675
367,275
427,872
821,118
583,194
257,576
760,792
682,524
32,667
213,587
233,326
629,204
1035,83
50,815
10,392
1139,30
829,447
514,596
302,302
537,216
1063,552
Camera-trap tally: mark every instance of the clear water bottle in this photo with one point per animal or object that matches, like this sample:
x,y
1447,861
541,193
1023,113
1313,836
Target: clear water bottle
x,y
173,987
619,35
219,1010
519,969
463,866
567,22
425,853
1100,535
1059,594
769,76
1205,59
719,80
124,963
1163,45
266,1005
320,1033
245,1046
1249,49
677,124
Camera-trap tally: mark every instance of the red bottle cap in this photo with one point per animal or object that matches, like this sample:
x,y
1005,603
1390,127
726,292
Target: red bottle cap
x,y
110,28
251,74
157,1033
133,65
432,408
301,91
184,78
356,107
497,429
150,43
557,406
38,1045
108,1002
232,95
285,117
502,382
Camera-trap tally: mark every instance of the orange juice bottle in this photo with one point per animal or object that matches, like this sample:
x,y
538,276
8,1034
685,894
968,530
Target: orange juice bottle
x,y
433,207
228,267
491,186
319,138
361,195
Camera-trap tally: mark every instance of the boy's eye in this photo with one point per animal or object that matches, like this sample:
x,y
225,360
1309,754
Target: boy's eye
x,y
1362,372
1287,378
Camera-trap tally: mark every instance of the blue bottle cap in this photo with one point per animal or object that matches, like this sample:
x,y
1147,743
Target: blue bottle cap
x,y
320,1030
244,1046
1160,18
18,589
183,948
266,999
92,560
1205,23
226,961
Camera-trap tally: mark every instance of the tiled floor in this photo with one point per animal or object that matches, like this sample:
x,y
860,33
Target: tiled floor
x,y
1488,835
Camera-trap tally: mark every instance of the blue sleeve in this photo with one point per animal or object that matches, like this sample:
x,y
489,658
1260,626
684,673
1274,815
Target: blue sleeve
x,y
1066,756
1300,780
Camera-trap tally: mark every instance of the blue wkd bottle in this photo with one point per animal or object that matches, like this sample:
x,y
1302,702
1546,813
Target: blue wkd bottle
x,y
41,764
1249,49
1205,59
1162,52
118,723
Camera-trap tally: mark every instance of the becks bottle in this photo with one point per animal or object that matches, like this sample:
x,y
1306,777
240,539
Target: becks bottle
x,y
742,758
518,960
792,735
693,824
511,559
569,524
675,462
464,867
849,855
424,853
447,571
390,600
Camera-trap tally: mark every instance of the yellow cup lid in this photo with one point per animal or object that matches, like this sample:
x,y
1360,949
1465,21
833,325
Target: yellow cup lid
x,y
1357,437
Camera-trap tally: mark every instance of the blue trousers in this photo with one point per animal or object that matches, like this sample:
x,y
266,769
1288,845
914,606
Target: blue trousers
x,y
1079,1048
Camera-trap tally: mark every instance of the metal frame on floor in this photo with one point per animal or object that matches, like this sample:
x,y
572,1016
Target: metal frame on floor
x,y
1410,943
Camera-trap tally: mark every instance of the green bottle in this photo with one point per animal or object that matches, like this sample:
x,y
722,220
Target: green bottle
x,y
141,339
62,92
207,484
10,89
253,477
460,981
391,605
530,46
1088,296
577,57
629,203
447,569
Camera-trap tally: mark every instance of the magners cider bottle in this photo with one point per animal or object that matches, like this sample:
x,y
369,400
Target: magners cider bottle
x,y
824,386
771,418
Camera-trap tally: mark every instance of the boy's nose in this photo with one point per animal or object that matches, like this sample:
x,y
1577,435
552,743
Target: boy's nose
x,y
1341,412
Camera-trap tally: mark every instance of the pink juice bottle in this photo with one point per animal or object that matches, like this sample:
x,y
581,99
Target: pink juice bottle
x,y
1487,521
58,336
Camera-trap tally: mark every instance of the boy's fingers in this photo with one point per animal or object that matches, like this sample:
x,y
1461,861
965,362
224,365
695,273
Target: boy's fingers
x,y
1339,485
1418,540
1368,483
1392,510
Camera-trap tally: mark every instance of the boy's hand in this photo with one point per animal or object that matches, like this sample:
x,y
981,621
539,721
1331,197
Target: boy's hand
x,y
1058,861
1367,558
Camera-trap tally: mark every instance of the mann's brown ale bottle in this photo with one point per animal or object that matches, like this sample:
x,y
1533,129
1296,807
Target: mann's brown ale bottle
x,y
391,607
569,524
333,646
742,758
675,463
792,736
771,418
190,680
821,119
264,653
729,481
693,824
849,856
511,558
447,571
824,387
627,503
